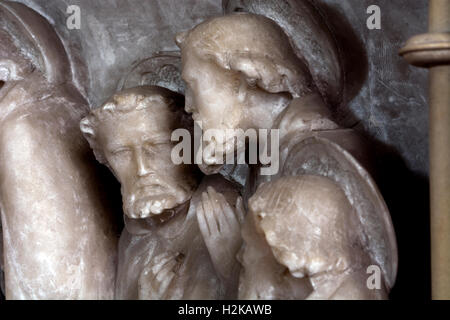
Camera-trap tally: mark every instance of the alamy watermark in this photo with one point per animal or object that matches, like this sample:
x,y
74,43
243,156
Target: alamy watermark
x,y
228,146
73,21
374,280
374,20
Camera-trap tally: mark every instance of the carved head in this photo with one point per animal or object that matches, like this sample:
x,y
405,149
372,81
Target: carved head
x,y
235,67
131,134
305,226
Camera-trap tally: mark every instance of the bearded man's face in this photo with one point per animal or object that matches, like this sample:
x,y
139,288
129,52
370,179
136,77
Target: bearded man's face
x,y
138,148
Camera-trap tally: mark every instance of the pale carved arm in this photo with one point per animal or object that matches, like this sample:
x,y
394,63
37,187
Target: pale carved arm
x,y
220,225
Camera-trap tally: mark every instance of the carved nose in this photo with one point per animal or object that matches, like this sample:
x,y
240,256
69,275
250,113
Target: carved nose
x,y
143,171
142,168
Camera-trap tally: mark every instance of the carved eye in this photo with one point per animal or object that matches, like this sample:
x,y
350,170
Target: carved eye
x,y
2,83
154,147
160,142
121,153
148,148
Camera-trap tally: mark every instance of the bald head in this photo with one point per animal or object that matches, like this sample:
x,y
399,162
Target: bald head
x,y
306,220
284,202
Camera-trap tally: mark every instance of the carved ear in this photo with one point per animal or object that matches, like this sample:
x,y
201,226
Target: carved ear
x,y
88,131
260,71
86,127
180,38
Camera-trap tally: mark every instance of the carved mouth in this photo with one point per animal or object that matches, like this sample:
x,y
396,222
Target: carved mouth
x,y
149,189
152,205
152,200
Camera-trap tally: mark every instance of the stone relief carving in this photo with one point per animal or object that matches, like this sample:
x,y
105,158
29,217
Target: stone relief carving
x,y
58,232
312,229
318,229
160,69
311,38
162,254
237,80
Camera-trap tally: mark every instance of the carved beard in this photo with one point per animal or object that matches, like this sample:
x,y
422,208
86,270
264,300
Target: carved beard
x,y
146,201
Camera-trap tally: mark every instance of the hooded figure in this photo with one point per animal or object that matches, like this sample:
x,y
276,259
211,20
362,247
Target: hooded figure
x,y
59,238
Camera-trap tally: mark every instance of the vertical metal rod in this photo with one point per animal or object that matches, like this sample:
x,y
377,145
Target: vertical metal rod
x,y
432,50
439,97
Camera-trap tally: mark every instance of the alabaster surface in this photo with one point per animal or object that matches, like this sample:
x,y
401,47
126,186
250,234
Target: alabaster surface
x,y
131,134
167,249
312,228
308,236
237,80
59,237
241,72
178,259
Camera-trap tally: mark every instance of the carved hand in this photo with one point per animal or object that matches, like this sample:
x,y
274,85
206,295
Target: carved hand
x,y
157,279
220,226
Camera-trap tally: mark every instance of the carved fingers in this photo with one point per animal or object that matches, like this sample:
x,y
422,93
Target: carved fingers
x,y
207,208
215,215
157,277
220,225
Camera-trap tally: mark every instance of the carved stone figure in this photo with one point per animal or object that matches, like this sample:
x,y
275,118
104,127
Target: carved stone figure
x,y
164,253
58,233
241,72
316,238
235,79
